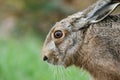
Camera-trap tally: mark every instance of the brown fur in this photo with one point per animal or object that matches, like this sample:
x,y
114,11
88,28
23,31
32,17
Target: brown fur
x,y
95,48
100,53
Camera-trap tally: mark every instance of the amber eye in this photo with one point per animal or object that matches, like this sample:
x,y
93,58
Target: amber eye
x,y
58,34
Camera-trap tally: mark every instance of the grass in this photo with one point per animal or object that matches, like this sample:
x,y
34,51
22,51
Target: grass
x,y
21,60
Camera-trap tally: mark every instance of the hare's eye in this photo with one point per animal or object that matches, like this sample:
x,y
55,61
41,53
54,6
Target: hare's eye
x,y
58,34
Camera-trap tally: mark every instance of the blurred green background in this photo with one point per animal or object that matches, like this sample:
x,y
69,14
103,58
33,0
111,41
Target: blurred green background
x,y
23,27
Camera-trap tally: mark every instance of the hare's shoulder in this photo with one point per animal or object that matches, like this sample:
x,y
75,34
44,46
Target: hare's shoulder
x,y
104,37
103,41
104,33
109,27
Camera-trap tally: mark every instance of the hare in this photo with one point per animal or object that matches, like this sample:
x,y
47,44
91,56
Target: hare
x,y
89,39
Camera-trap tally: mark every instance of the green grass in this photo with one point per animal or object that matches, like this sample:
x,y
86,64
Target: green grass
x,y
21,60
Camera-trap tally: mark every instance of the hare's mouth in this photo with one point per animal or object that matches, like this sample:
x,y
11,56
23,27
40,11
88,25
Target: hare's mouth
x,y
53,61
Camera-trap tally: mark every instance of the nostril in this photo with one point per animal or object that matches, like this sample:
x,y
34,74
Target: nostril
x,y
45,58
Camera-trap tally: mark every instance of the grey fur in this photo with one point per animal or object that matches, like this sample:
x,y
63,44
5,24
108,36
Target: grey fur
x,y
94,47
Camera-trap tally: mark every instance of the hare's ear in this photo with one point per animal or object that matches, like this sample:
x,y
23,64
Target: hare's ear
x,y
100,14
95,13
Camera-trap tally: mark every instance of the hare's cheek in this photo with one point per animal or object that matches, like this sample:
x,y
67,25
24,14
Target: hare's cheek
x,y
58,41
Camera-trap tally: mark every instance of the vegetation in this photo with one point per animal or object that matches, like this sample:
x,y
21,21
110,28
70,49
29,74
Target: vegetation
x,y
23,27
21,60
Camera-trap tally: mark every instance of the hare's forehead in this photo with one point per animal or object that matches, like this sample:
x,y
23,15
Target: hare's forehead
x,y
63,24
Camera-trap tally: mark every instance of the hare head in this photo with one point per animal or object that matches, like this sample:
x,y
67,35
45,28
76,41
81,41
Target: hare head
x,y
65,39
61,44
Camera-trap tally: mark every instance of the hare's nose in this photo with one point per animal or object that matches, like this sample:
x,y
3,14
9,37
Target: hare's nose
x,y
45,58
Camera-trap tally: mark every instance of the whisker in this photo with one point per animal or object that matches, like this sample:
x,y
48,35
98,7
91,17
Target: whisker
x,y
62,72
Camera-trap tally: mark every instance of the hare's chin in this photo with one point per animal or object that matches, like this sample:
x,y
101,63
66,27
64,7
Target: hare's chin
x,y
57,63
53,62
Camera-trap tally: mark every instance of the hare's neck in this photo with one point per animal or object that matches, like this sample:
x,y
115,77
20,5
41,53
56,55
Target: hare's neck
x,y
82,57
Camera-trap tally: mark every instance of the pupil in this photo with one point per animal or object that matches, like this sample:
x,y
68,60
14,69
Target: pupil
x,y
58,34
